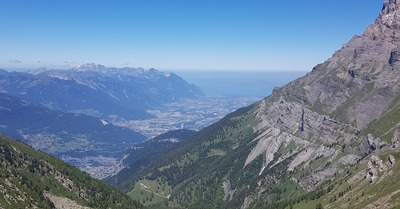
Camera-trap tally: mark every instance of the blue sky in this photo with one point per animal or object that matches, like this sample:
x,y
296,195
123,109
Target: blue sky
x,y
258,35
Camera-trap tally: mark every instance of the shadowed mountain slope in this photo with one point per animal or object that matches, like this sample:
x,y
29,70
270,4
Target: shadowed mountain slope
x,y
149,151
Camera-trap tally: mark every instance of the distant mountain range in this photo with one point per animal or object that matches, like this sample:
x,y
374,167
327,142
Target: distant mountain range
x,y
97,90
330,139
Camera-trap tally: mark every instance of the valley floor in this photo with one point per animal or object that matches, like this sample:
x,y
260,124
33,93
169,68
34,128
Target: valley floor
x,y
192,114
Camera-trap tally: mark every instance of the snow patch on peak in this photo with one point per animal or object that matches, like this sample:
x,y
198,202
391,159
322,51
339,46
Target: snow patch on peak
x,y
61,77
91,67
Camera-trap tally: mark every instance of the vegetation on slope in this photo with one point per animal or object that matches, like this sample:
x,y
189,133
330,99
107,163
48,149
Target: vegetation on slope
x,y
149,151
196,167
30,178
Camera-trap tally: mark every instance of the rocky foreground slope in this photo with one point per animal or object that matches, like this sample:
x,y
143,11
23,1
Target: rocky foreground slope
x,y
329,139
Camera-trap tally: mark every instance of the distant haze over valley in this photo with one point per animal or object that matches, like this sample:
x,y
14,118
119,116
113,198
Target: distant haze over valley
x,y
239,83
228,82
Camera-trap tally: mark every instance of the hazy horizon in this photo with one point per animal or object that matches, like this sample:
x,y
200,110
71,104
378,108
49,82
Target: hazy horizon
x,y
212,35
159,69
239,83
231,83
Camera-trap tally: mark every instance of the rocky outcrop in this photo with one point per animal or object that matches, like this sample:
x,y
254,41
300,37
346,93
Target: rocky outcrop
x,y
292,117
228,191
375,143
246,203
391,160
375,166
396,137
378,169
63,202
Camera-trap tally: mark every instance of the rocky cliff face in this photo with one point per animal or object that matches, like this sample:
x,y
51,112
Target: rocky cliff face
x,y
339,102
336,101
361,77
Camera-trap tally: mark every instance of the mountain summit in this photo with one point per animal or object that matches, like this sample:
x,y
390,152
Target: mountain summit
x,y
330,138
127,71
390,7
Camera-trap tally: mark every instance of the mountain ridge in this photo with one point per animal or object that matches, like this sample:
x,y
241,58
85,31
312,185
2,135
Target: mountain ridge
x,y
99,91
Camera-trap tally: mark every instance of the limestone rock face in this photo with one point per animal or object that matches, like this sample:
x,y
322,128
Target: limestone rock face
x,y
378,169
396,137
340,111
361,77
375,143
391,159
389,15
329,107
